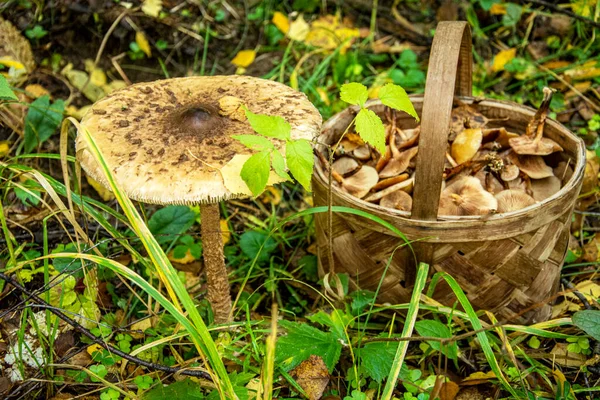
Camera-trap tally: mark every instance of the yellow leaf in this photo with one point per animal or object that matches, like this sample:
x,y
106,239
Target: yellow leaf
x,y
294,79
271,196
244,58
298,29
114,85
4,148
589,70
281,21
480,376
140,326
143,44
556,64
582,7
564,307
330,32
234,182
323,96
502,58
498,9
152,7
9,62
225,233
104,193
77,113
81,80
92,348
186,259
36,90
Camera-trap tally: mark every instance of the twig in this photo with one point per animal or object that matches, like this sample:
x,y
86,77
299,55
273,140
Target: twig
x,y
559,10
580,296
99,341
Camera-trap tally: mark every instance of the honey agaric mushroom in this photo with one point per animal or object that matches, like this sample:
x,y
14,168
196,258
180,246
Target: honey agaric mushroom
x,y
466,145
399,162
345,165
166,142
509,172
544,188
466,197
362,152
533,142
399,200
489,182
359,184
465,117
533,166
405,186
513,199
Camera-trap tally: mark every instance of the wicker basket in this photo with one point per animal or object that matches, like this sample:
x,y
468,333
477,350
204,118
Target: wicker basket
x,y
507,263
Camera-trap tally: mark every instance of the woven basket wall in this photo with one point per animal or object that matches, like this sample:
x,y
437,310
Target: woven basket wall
x,y
506,263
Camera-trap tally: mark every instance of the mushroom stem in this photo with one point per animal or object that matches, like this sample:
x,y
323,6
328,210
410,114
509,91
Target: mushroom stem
x,y
214,263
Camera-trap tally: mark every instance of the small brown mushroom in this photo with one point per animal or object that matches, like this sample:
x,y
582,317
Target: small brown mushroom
x,y
405,186
544,188
362,152
563,171
345,165
384,183
399,163
467,197
509,172
399,200
512,200
489,182
533,166
359,184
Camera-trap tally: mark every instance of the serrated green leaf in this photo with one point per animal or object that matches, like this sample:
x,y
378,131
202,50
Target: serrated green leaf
x,y
257,245
433,328
255,172
301,342
588,321
354,93
337,322
395,97
254,142
300,161
278,164
269,125
371,130
168,222
6,92
41,121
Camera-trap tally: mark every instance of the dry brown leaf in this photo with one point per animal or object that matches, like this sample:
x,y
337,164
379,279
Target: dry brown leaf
x,y
312,376
561,356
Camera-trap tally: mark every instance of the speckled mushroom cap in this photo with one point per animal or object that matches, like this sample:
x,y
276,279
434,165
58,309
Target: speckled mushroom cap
x,y
170,141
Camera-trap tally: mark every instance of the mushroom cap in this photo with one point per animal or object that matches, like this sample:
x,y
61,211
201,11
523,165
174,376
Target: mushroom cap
x,y
533,166
509,172
399,200
359,184
167,142
345,165
362,152
544,188
512,200
398,165
535,147
466,197
466,144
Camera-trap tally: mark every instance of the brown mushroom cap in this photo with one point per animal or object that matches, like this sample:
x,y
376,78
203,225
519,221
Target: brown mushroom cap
x,y
362,152
466,197
399,163
466,144
345,165
167,142
544,188
513,199
533,166
532,146
399,200
509,172
359,184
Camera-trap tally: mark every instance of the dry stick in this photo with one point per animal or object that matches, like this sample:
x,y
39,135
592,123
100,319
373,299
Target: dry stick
x,y
99,341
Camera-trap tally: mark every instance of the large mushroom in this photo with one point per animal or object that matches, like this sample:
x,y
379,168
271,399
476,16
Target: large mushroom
x,y
466,196
170,142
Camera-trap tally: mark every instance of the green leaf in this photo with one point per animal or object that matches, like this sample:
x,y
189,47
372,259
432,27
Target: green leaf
x,y
354,93
356,395
513,14
255,172
99,370
377,359
186,389
6,92
30,192
301,342
300,161
269,125
278,164
170,221
371,130
251,243
41,121
395,97
337,322
254,142
433,328
588,321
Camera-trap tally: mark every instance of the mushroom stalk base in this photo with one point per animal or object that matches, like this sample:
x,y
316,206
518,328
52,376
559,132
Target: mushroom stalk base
x,y
214,263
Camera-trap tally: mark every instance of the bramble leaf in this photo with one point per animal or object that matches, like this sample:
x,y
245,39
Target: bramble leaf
x,y
433,328
169,222
278,164
354,93
371,130
269,125
300,161
41,121
588,321
255,172
395,97
6,92
254,142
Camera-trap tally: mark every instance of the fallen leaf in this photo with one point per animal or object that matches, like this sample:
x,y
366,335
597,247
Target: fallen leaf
x,y
480,376
4,148
143,44
225,233
15,52
186,259
322,92
590,177
36,91
114,85
244,58
502,58
565,307
91,349
77,113
498,9
588,70
234,182
555,64
271,196
299,28
104,193
281,21
142,325
81,80
448,391
561,356
152,7
312,376
330,32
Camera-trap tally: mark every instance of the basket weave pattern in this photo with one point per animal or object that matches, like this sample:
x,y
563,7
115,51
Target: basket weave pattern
x,y
508,264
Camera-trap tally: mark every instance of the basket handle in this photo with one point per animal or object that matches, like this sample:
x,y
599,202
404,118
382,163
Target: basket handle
x,y
450,72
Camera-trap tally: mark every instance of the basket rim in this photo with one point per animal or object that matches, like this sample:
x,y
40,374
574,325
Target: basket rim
x,y
572,184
